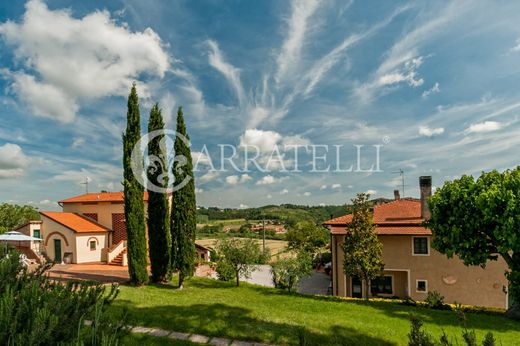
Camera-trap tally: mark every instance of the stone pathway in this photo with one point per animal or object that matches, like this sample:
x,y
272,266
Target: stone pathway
x,y
195,338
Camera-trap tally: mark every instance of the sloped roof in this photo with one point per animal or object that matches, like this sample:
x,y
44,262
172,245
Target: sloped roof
x,y
100,197
75,222
402,216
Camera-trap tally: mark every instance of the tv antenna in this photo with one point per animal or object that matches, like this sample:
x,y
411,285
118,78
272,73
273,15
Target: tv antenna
x,y
401,173
87,180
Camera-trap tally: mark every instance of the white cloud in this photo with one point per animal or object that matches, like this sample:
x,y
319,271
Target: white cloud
x,y
371,192
45,202
269,179
231,73
265,141
486,126
296,140
306,193
434,89
243,206
323,187
209,176
78,142
428,132
72,59
407,74
517,47
336,186
269,196
284,192
13,161
199,190
235,179
296,31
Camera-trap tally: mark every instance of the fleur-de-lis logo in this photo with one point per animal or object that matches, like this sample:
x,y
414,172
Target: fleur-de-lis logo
x,y
152,171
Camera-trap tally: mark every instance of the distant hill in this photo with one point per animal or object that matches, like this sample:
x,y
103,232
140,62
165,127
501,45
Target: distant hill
x,y
288,213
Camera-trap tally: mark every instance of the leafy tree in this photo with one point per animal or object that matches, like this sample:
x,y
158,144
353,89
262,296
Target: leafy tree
x,y
184,207
134,204
362,248
479,220
239,254
159,238
306,236
287,272
36,310
12,216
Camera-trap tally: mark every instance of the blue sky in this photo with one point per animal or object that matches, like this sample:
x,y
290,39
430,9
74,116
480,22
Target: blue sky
x,y
435,83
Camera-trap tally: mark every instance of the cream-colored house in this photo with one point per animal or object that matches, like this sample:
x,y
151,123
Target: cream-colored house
x,y
91,228
412,266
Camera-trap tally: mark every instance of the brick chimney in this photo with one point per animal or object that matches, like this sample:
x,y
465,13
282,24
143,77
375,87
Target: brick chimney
x,y
397,196
425,184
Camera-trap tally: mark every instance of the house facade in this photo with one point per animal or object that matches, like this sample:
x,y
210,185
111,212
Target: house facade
x,y
91,228
412,266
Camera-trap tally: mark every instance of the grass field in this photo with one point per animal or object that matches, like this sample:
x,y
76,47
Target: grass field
x,y
256,313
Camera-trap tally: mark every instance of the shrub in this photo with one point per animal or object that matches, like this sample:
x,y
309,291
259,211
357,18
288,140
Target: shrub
x,y
288,272
418,337
225,271
434,300
35,310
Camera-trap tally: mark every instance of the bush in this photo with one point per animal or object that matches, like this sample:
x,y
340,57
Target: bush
x,y
37,311
418,337
225,271
434,300
287,272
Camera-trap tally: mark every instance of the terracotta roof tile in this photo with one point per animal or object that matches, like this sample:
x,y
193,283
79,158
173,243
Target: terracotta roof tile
x,y
75,222
99,197
397,217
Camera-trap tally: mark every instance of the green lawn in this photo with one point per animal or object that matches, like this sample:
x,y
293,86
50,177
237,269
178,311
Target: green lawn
x,y
256,313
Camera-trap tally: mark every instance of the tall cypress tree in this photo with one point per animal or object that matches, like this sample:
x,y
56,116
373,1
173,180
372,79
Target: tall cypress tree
x,y
134,205
184,207
159,238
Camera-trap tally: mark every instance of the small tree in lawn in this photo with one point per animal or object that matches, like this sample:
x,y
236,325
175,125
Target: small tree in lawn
x,y
287,272
184,207
239,254
479,220
159,238
362,248
133,191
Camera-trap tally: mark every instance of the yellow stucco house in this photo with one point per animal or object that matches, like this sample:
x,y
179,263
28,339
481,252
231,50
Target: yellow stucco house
x,y
91,228
412,266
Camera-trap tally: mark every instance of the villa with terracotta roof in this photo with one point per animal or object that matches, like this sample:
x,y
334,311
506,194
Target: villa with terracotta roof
x,y
91,228
412,266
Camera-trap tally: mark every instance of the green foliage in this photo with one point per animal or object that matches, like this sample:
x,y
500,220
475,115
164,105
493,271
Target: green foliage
x,y
362,248
239,254
211,229
225,270
287,272
159,237
134,204
37,311
306,236
418,337
434,300
12,216
184,208
478,220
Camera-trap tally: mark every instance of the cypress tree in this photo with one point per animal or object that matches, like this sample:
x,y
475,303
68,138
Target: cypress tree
x,y
159,239
134,205
184,207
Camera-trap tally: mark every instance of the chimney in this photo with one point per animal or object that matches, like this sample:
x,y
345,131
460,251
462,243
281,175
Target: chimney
x,y
425,184
396,195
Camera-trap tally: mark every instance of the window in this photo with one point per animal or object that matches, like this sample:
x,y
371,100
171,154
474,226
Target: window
x,y
420,246
36,233
421,286
381,285
92,245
